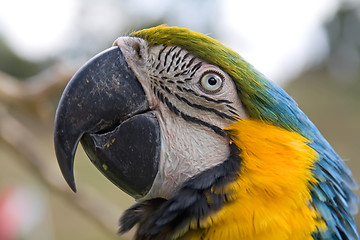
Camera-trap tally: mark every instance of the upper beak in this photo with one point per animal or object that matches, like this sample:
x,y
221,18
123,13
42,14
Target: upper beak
x,y
105,107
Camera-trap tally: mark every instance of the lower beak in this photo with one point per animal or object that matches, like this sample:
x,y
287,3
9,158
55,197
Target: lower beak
x,y
105,108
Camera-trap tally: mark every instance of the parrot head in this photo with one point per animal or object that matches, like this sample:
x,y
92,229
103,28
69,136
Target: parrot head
x,y
203,141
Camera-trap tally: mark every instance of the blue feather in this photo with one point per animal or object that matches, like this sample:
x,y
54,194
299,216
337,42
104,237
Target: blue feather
x,y
332,197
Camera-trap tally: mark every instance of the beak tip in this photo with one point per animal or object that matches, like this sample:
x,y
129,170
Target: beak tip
x,y
72,186
69,177
66,164
65,146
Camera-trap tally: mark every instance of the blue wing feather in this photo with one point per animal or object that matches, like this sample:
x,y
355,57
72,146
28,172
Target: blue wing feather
x,y
332,197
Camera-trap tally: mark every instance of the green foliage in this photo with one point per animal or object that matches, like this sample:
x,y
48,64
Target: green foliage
x,y
12,64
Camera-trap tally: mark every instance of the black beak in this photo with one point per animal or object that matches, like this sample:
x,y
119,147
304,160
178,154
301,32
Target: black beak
x,y
105,107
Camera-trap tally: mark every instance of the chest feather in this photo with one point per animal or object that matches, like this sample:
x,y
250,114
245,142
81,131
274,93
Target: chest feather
x,y
271,198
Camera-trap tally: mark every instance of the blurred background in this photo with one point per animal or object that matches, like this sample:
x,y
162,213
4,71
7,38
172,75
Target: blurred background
x,y
311,48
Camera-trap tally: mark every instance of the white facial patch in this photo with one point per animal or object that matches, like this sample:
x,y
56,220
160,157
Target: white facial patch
x,y
193,102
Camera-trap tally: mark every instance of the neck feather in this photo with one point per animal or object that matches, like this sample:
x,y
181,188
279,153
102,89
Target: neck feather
x,y
271,198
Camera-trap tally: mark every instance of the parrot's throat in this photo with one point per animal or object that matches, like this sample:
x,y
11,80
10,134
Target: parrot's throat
x,y
260,192
198,198
271,198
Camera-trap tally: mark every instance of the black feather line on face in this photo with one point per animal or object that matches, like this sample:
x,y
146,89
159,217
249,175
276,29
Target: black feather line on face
x,y
197,199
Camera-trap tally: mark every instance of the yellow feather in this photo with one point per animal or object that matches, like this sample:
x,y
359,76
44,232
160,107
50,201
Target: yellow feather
x,y
271,197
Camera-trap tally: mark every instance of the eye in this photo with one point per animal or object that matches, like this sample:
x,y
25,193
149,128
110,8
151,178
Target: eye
x,y
211,82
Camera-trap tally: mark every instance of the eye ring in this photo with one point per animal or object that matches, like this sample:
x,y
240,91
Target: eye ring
x,y
211,82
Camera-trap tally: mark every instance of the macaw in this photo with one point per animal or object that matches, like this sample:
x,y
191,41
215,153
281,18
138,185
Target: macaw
x,y
206,144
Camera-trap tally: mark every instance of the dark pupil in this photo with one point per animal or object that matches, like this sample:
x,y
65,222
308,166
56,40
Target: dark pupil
x,y
212,81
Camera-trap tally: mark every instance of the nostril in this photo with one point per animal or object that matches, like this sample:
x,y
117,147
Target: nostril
x,y
133,48
136,46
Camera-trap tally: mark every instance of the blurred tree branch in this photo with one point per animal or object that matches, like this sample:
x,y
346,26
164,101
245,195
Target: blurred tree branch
x,y
36,94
